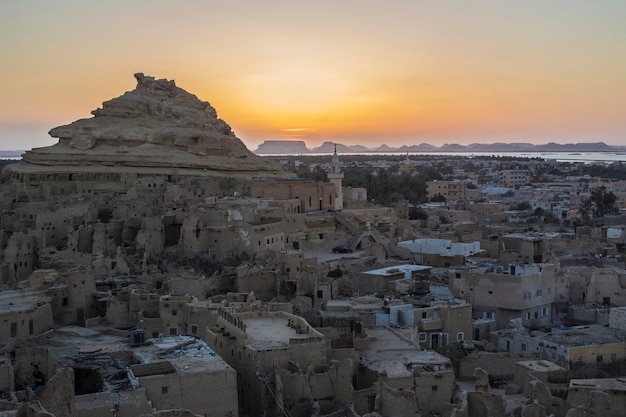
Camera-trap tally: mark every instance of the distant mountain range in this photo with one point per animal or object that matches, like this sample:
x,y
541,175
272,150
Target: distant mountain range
x,y
295,147
11,154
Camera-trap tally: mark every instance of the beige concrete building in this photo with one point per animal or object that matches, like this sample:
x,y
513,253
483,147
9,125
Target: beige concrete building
x,y
453,191
592,346
363,309
440,252
399,278
529,247
514,177
442,324
517,291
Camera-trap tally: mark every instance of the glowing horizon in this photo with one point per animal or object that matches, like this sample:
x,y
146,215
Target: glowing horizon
x,y
354,72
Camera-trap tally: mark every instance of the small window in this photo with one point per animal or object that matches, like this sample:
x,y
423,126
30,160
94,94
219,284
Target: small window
x,y
524,347
173,331
194,330
174,312
528,315
613,357
538,293
421,337
424,315
164,390
435,388
599,358
460,337
526,295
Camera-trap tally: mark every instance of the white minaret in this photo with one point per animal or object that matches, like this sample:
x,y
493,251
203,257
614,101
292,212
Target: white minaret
x,y
335,176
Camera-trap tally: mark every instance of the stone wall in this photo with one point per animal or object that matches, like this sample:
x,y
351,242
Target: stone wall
x,y
330,387
212,394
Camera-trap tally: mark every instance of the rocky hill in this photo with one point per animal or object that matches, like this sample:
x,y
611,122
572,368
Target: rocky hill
x,y
158,128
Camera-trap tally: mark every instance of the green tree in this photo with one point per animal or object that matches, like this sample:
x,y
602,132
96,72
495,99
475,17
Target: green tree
x,y
335,273
600,203
417,213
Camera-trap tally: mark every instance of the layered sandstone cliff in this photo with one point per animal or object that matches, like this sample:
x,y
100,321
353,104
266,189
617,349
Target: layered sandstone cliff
x,y
158,128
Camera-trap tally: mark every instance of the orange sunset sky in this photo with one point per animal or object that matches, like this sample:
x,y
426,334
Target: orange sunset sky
x,y
355,72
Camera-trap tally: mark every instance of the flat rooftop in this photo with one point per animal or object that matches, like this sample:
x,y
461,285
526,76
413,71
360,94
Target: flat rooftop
x,y
398,269
586,335
87,339
14,301
272,331
397,356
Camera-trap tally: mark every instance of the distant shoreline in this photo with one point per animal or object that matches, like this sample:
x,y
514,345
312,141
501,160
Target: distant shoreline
x,y
572,157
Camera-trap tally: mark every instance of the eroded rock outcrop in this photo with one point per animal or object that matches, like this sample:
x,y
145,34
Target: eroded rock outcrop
x,y
158,128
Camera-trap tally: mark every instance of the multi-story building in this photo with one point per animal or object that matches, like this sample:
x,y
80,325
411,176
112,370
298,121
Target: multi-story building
x,y
514,177
593,344
442,324
518,291
453,191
